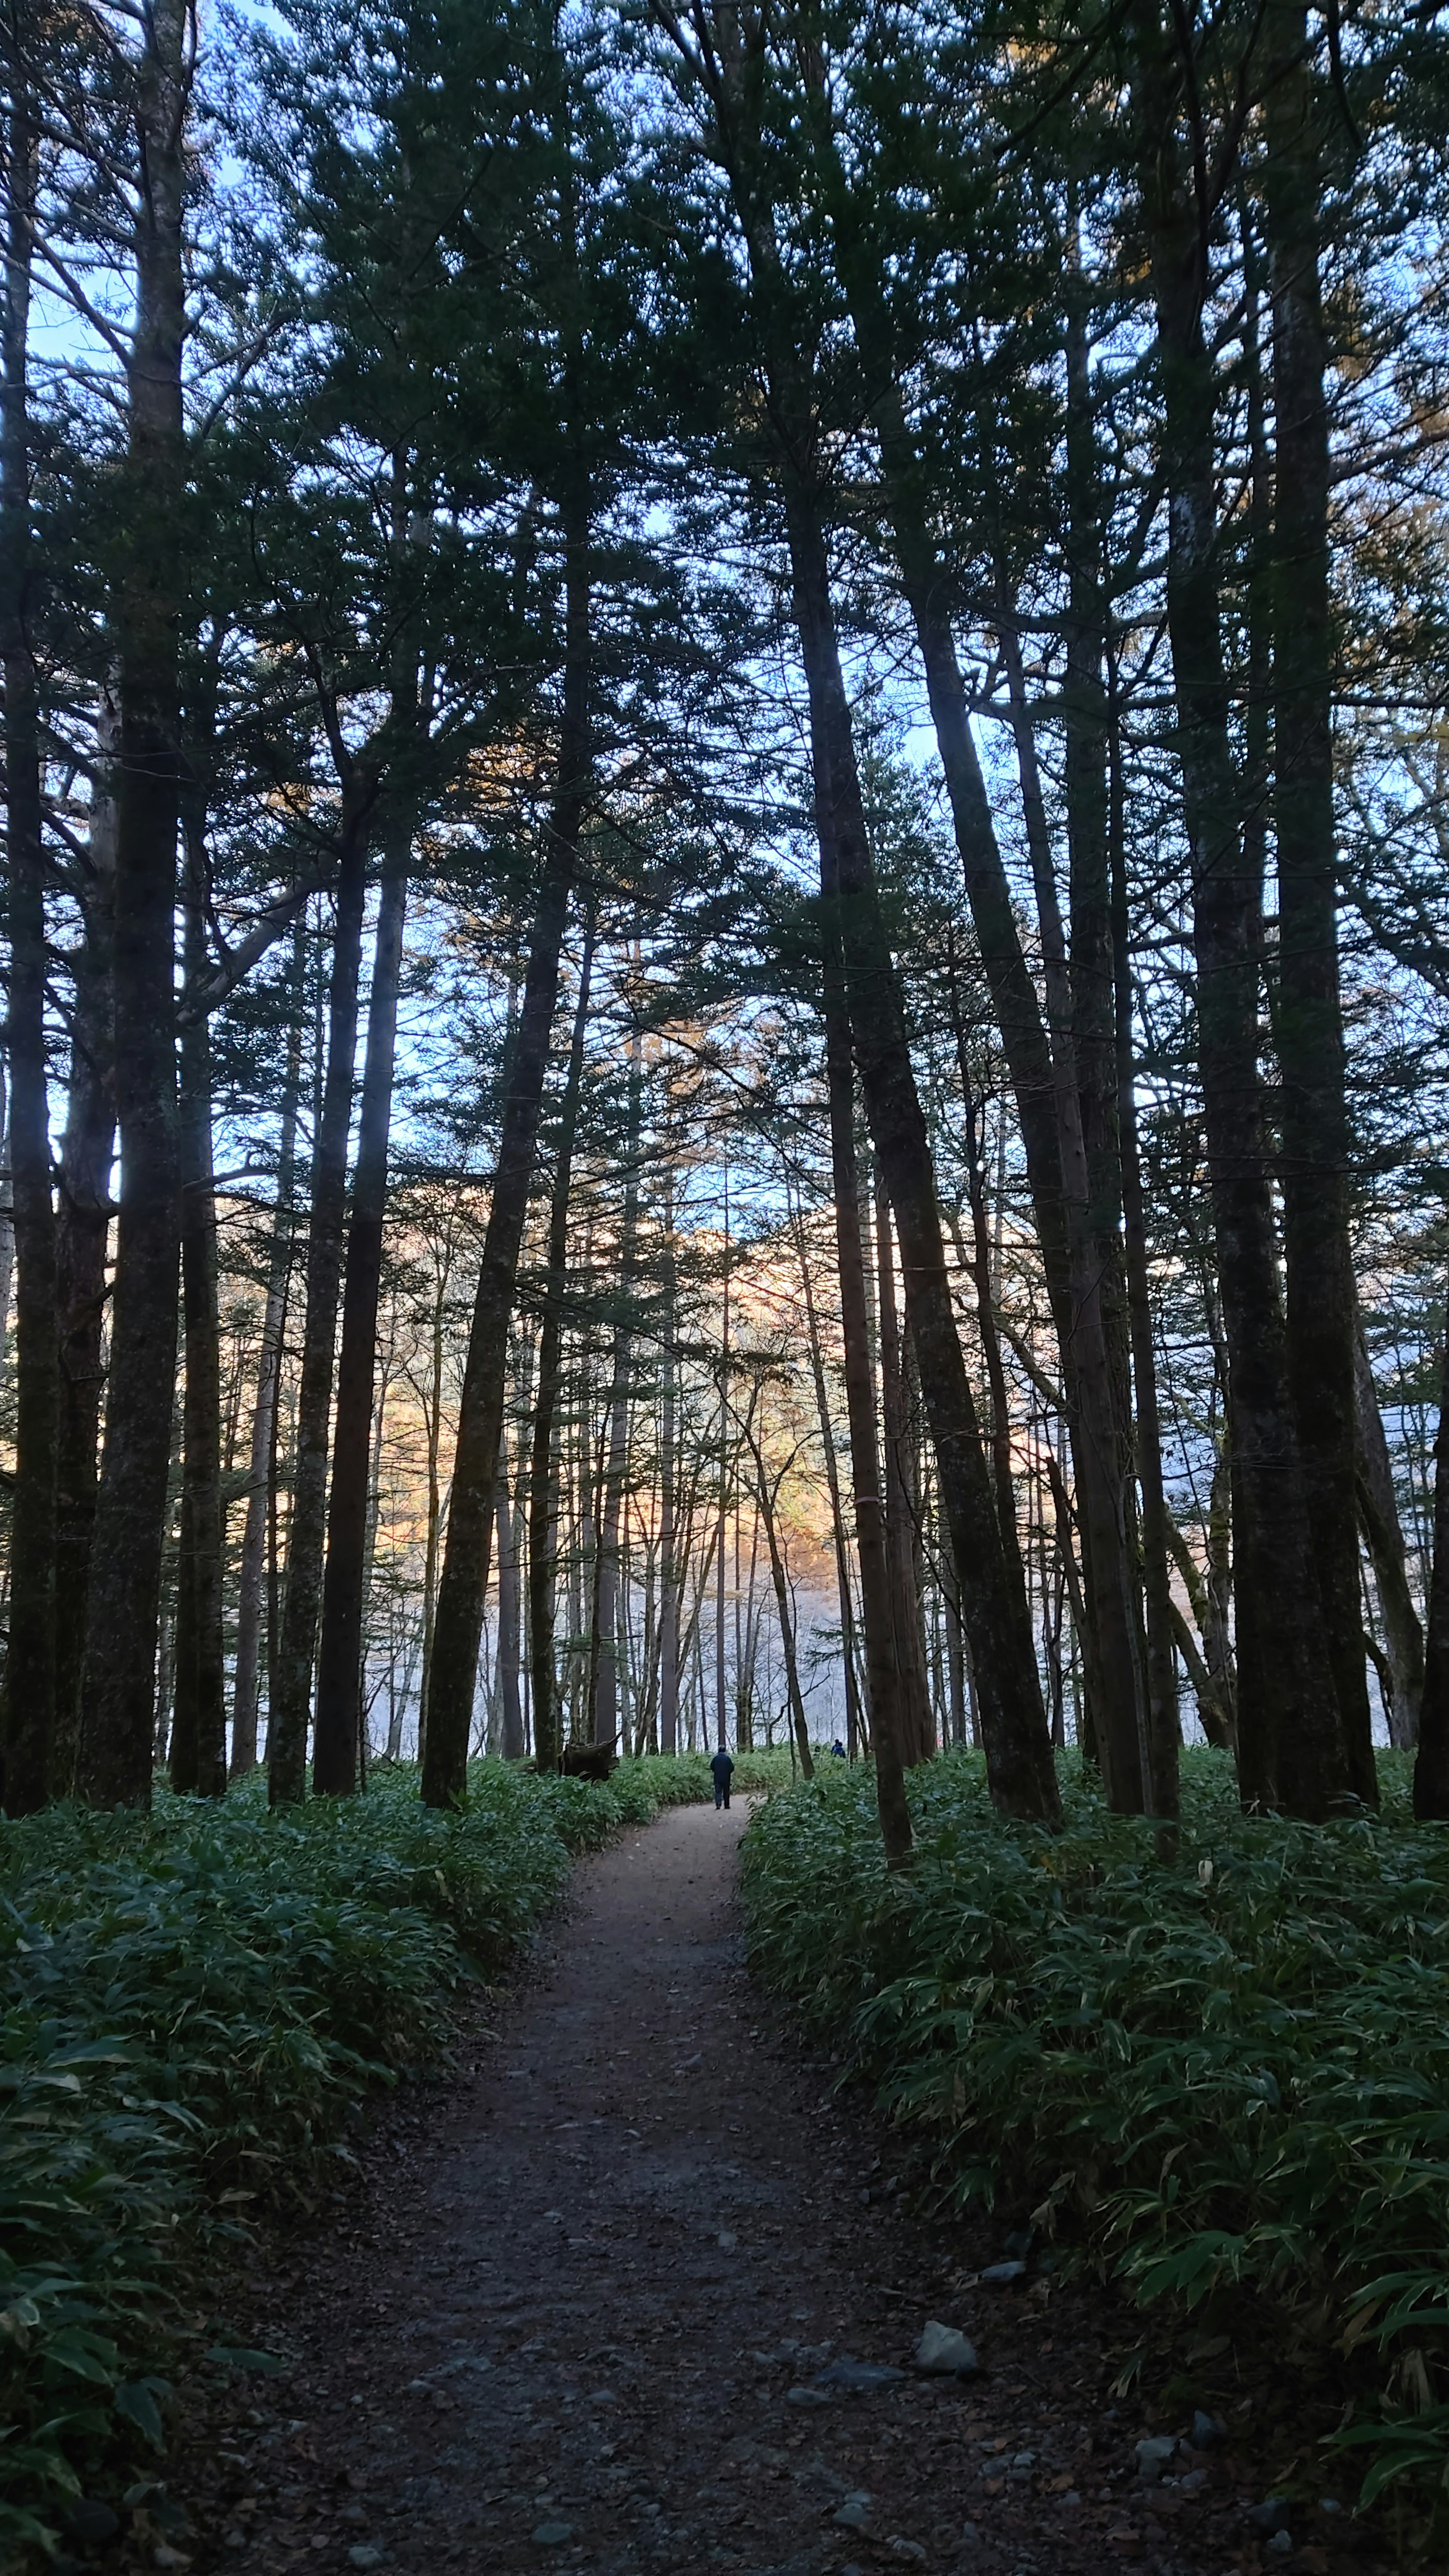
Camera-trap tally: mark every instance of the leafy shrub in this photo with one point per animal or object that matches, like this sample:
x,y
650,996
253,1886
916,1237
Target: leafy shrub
x,y
192,2003
1233,2068
684,1779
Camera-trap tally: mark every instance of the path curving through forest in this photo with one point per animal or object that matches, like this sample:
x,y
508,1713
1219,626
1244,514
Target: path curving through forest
x,y
561,2320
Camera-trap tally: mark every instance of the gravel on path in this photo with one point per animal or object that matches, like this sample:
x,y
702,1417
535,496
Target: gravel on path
x,y
575,2309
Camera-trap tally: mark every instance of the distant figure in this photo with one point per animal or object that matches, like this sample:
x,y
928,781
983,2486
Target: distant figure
x,y
723,1769
838,1750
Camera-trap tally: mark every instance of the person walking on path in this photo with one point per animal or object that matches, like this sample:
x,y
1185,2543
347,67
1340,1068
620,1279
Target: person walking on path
x,y
723,1769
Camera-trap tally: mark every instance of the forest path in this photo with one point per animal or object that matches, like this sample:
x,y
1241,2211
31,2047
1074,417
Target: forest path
x,y
560,2321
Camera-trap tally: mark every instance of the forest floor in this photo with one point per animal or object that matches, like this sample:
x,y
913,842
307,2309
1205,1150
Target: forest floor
x,y
561,2317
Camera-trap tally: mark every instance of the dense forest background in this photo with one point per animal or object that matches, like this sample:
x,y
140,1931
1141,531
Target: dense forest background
x,y
727,790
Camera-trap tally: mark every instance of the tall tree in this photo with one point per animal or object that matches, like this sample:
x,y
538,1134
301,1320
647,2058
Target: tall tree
x,y
1291,1744
1042,1065
459,1627
261,1465
1431,1768
29,1748
605,1657
543,1469
82,1234
1322,1305
918,1732
291,1701
124,1594
883,1687
198,1735
339,1665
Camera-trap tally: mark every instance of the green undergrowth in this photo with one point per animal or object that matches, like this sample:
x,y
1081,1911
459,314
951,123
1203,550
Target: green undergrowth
x,y
683,1780
1227,2071
195,2004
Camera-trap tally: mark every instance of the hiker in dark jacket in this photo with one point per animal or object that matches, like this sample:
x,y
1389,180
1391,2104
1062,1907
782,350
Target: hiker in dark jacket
x,y
723,1769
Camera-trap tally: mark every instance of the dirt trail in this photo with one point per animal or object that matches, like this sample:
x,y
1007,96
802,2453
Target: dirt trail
x,y
562,2321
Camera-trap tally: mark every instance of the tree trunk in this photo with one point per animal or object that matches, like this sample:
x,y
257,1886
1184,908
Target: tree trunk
x,y
1044,1085
82,1236
459,1626
433,1413
543,1472
7,1235
369,1547
198,1732
1019,1760
918,1733
509,1704
832,1483
1431,1769
251,1579
117,1725
29,1735
955,1643
1291,1748
883,1698
606,1681
721,1721
1308,1017
1164,1730
1125,1727
1378,1513
1018,1750
339,1661
981,1271
581,1619
1214,1699
780,1581
290,1707
668,1470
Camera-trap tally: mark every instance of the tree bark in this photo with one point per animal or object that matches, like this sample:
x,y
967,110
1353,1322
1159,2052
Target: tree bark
x,y
1431,1768
1214,1698
509,1704
1126,1736
721,1720
1084,1308
290,1704
198,1731
606,1679
30,1700
123,1604
339,1663
1291,1748
1164,1728
7,1221
780,1583
1308,1016
1043,1077
853,1729
543,1471
918,1732
669,1576
981,1272
443,1256
1013,1721
883,1698
1378,1513
459,1625
1019,1762
83,1226
251,1577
